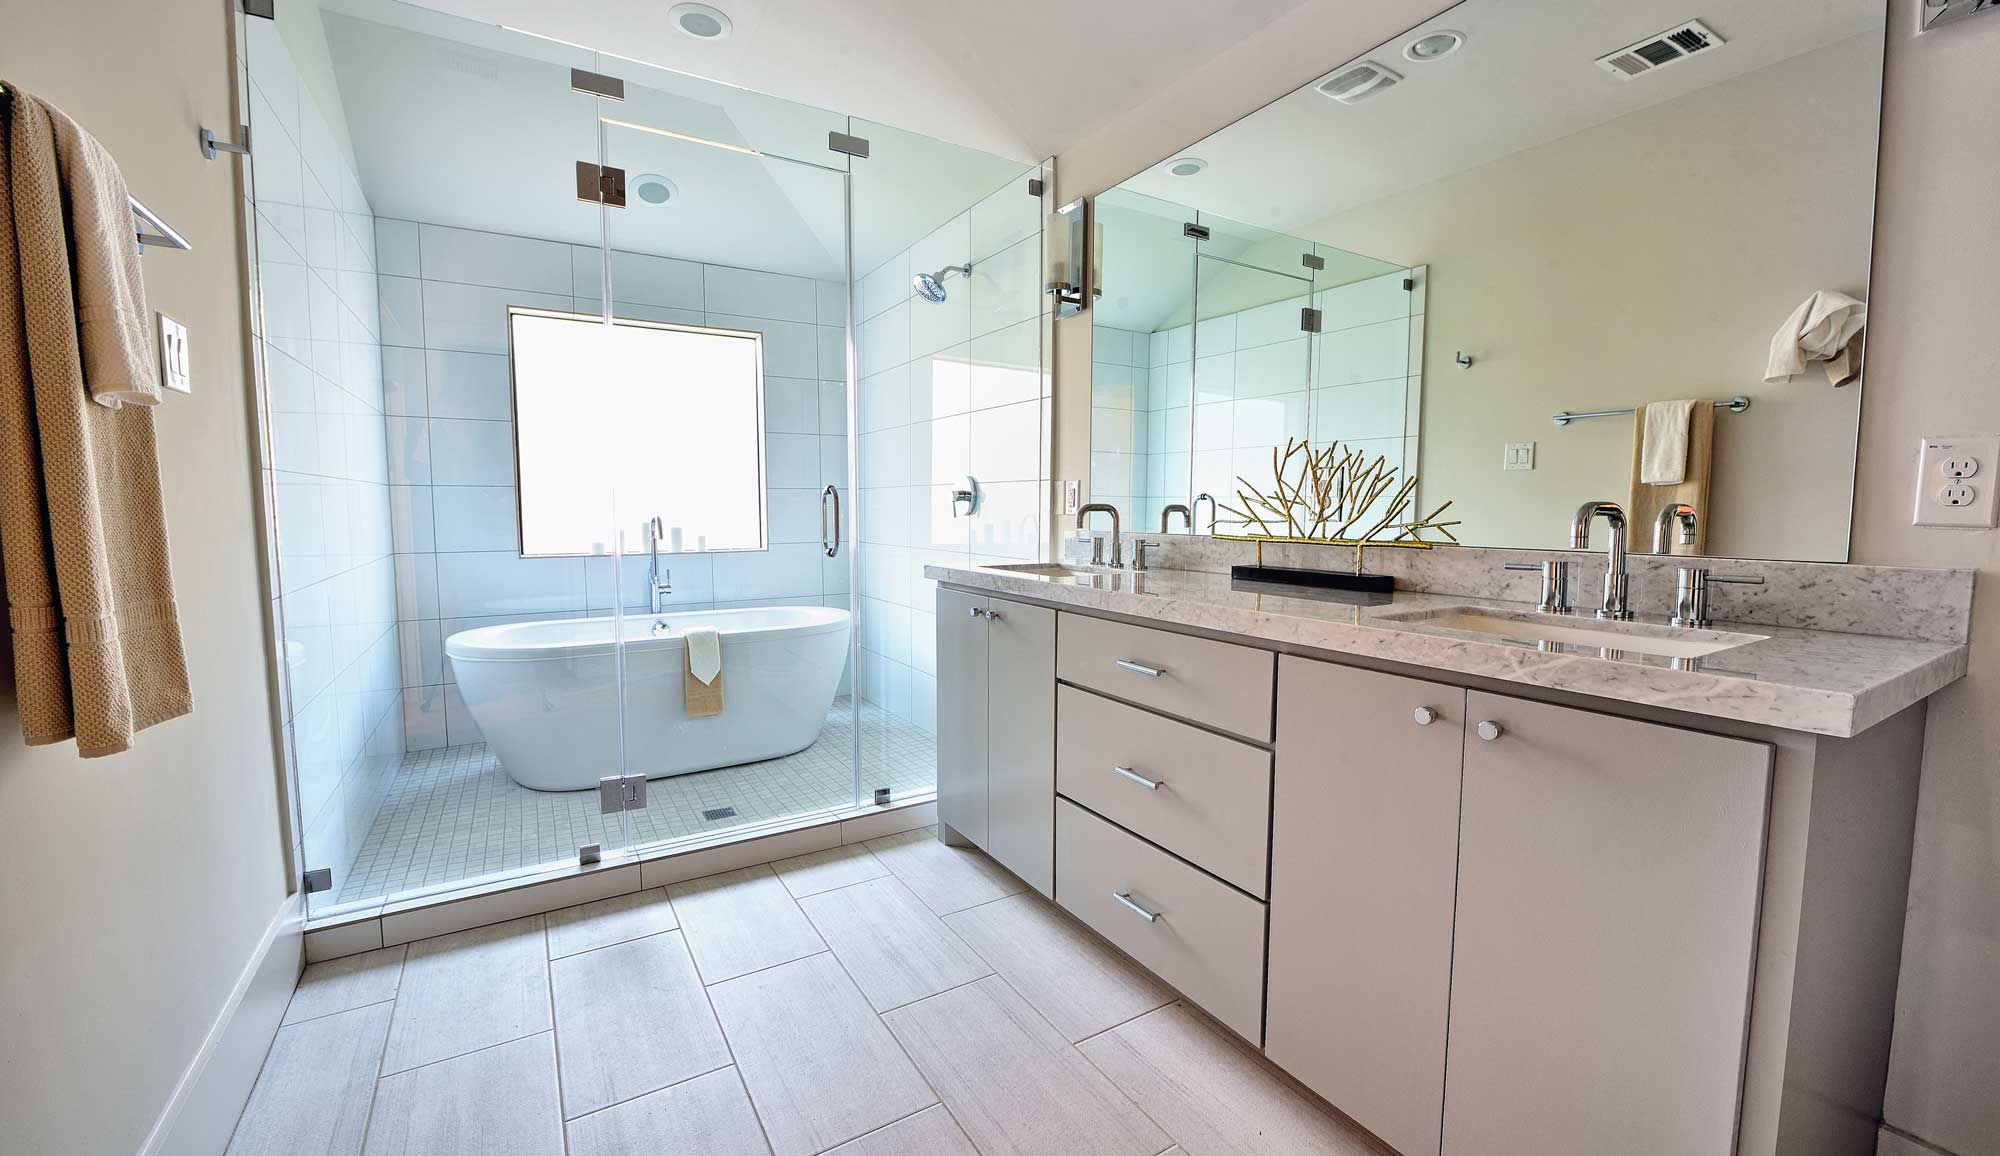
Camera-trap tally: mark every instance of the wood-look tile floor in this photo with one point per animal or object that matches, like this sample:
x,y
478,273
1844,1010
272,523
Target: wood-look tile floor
x,y
893,998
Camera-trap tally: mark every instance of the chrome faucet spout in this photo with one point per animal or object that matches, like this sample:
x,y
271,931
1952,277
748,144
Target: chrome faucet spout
x,y
1663,526
1117,555
1617,583
1167,511
659,583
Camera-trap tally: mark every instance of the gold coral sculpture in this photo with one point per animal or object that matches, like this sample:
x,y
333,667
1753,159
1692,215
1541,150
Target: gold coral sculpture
x,y
1336,496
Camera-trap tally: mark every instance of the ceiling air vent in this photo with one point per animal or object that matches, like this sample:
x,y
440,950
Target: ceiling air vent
x,y
1659,51
1357,82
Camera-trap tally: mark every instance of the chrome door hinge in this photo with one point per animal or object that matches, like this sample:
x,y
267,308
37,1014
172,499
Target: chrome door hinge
x,y
596,84
268,9
1198,232
588,853
319,879
604,184
617,793
1035,186
1309,319
882,798
854,146
1312,261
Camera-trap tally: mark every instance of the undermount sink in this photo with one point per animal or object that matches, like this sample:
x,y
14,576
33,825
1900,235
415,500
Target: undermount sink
x,y
1042,570
1537,629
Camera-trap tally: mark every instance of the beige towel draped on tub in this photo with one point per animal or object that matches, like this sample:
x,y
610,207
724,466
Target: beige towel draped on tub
x,y
701,693
97,644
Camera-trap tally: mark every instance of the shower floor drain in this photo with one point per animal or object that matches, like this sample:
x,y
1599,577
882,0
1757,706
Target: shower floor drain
x,y
719,813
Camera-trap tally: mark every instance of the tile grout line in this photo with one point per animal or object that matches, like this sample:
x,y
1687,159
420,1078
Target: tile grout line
x,y
555,1039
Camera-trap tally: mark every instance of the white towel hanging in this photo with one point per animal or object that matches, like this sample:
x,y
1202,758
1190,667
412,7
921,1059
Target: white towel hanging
x,y
1663,454
1822,328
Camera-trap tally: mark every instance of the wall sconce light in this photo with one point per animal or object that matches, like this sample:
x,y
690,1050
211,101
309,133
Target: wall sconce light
x,y
1069,264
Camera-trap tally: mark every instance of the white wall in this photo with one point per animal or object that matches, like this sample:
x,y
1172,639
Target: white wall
x,y
445,294
1604,270
329,464
135,888
947,390
1933,368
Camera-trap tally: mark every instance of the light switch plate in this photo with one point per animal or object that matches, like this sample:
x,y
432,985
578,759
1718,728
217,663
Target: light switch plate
x,y
1956,481
1072,495
174,356
1519,456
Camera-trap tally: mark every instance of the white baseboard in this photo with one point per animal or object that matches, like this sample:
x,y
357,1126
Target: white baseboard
x,y
201,1114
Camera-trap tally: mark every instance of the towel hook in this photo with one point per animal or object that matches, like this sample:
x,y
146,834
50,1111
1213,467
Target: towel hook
x,y
1464,362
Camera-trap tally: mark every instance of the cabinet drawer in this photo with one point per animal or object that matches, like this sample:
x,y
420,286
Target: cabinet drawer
x,y
1217,684
1204,938
1212,805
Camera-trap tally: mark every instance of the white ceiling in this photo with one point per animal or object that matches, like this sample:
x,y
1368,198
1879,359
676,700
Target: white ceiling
x,y
472,125
1525,76
1024,80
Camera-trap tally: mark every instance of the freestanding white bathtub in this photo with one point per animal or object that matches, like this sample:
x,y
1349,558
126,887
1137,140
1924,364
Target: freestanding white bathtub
x,y
545,694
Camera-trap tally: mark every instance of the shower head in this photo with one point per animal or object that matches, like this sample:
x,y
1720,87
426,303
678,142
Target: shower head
x,y
930,286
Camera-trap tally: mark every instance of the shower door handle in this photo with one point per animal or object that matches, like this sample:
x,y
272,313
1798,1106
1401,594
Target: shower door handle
x,y
830,545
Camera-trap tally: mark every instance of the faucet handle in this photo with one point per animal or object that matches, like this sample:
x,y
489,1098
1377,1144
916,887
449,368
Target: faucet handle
x,y
1555,584
1737,579
1139,548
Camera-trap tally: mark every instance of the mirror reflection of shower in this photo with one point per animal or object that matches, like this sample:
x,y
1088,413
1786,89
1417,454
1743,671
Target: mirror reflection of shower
x,y
930,286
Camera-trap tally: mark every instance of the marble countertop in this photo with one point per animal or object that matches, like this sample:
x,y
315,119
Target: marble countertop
x,y
1819,681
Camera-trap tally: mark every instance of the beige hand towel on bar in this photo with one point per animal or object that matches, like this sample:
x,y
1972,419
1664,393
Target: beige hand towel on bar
x,y
1663,456
702,683
97,644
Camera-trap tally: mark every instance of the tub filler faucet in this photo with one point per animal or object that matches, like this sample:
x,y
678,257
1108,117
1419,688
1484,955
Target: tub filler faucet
x,y
659,583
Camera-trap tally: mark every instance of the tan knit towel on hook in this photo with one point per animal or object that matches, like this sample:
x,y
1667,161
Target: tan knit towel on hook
x,y
97,644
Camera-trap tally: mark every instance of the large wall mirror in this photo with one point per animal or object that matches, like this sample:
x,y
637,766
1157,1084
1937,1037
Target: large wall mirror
x,y
1515,211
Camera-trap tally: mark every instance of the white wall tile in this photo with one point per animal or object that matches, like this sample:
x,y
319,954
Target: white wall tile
x,y
831,302
471,453
396,248
502,582
788,571
475,518
1005,216
403,386
471,318
789,349
1006,288
1006,443
409,450
470,385
791,404
1365,353
791,461
885,399
638,278
416,585
470,257
424,717
401,300
750,293
884,339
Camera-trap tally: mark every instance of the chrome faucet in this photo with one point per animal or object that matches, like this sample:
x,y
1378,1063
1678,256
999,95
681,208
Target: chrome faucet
x,y
1187,515
1204,496
1616,581
659,582
1117,550
1663,526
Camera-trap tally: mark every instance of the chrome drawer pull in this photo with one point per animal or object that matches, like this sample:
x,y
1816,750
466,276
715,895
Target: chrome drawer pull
x,y
1139,668
1128,772
1125,897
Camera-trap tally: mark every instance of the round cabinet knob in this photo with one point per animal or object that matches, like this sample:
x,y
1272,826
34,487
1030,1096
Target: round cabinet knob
x,y
1425,716
1490,730
993,616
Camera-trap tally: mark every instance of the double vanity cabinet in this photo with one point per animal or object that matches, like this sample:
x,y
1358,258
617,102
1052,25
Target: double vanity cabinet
x,y
1478,923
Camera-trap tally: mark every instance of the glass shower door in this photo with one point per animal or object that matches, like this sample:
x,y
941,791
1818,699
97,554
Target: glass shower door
x,y
951,408
384,311
1252,365
728,271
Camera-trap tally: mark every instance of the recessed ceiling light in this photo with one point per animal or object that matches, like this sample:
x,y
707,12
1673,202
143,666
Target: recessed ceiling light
x,y
1186,166
700,21
1433,46
654,189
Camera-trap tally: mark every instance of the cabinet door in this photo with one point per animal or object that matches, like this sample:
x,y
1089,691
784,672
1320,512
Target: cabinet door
x,y
1363,861
961,713
1021,741
1609,872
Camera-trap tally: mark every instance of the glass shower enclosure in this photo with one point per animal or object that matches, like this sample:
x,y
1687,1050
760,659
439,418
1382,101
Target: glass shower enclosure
x,y
569,360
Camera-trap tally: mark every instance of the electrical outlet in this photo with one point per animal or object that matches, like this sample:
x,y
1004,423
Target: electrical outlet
x,y
1947,495
1072,495
1518,456
174,355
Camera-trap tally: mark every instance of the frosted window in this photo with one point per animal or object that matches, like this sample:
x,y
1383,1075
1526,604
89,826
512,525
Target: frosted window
x,y
616,424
